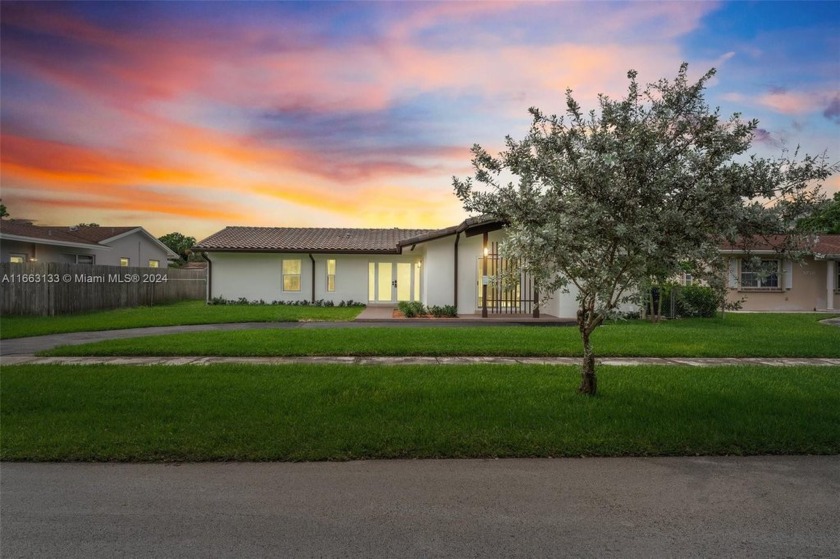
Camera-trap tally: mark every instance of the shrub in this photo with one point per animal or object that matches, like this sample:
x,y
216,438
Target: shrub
x,y
411,309
698,300
446,311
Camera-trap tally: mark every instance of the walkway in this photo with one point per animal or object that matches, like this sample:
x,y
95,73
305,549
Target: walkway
x,y
409,360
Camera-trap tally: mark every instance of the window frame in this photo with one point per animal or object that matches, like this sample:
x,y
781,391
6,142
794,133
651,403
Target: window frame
x,y
125,262
291,275
154,263
761,276
91,256
23,258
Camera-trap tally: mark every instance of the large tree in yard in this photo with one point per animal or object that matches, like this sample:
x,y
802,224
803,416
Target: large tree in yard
x,y
605,201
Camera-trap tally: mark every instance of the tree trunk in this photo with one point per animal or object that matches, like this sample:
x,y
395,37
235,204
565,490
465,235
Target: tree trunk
x,y
588,381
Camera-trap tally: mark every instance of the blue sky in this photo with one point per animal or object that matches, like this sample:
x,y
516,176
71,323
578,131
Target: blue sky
x,y
192,116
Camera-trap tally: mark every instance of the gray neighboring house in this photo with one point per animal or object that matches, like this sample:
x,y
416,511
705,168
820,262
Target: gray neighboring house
x,y
22,241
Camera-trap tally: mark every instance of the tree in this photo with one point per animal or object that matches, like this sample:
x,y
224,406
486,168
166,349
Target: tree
x,y
826,218
88,225
3,212
179,244
605,202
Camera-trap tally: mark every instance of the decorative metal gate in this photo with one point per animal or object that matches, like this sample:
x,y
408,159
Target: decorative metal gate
x,y
510,290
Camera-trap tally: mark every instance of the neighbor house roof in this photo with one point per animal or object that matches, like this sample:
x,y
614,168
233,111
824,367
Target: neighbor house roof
x,y
299,239
95,237
824,246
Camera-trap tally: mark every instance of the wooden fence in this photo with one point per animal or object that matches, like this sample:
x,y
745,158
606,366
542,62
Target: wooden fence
x,y
50,288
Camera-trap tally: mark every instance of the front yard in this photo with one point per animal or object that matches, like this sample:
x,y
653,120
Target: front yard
x,y
175,314
736,335
244,412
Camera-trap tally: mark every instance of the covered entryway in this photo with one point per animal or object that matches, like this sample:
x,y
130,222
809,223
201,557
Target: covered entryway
x,y
505,286
390,282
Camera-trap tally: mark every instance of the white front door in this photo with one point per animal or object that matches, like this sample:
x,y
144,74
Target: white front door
x,y
389,282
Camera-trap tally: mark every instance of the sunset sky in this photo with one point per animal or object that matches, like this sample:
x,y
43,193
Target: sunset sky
x,y
193,116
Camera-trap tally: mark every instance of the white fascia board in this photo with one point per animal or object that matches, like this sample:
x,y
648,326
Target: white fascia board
x,y
40,241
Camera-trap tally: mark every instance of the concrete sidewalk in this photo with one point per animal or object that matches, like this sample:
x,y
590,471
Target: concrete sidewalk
x,y
462,360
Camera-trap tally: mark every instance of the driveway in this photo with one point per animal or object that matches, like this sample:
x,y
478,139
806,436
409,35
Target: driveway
x,y
610,507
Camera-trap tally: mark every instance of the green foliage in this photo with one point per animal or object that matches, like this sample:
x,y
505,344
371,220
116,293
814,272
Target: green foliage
x,y
697,301
825,219
606,200
297,303
3,211
446,311
411,309
179,244
347,412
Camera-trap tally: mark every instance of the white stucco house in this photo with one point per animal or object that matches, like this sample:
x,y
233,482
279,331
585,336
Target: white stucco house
x,y
22,241
372,266
447,267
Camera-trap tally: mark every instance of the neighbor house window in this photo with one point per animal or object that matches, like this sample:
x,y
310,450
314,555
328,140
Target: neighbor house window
x,y
154,263
291,275
125,262
330,275
762,275
84,259
17,258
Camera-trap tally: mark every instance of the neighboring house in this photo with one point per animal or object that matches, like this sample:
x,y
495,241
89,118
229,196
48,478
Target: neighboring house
x,y
21,241
373,266
766,281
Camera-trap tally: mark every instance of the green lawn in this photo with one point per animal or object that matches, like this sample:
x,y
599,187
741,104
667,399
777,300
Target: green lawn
x,y
186,312
736,335
241,412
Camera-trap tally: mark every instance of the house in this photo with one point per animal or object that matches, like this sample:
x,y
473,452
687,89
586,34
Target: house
x,y
22,241
452,266
764,280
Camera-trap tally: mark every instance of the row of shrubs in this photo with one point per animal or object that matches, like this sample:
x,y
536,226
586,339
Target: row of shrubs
x,y
318,303
689,301
412,309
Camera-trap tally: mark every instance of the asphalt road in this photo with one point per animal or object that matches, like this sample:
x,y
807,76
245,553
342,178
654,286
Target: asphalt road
x,y
611,507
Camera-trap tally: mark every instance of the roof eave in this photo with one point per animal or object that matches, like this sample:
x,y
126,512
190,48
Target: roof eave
x,y
51,242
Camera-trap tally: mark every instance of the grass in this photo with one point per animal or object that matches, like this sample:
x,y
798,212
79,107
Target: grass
x,y
736,335
186,312
241,412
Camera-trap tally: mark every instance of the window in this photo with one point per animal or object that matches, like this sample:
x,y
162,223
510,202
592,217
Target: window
x,y
330,275
764,275
125,262
291,275
84,259
17,258
154,263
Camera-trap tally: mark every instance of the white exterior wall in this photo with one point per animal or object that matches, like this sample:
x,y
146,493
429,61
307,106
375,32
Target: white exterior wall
x,y
256,276
439,271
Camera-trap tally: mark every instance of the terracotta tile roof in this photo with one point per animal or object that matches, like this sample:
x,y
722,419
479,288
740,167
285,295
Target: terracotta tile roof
x,y
823,244
304,239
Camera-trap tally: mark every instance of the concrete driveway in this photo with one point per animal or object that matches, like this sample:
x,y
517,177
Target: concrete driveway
x,y
612,507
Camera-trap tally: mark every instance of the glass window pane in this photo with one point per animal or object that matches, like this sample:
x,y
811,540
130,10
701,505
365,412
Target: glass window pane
x,y
416,282
153,263
291,283
384,278
331,267
404,281
124,262
291,266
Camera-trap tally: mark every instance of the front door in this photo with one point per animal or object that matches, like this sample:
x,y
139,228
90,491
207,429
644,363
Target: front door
x,y
389,282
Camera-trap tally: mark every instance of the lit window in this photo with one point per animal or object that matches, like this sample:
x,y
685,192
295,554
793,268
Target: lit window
x,y
125,262
764,275
154,263
17,258
330,275
291,275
